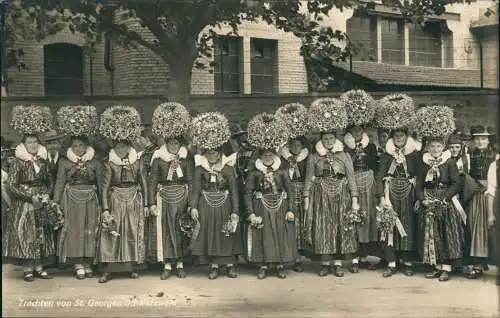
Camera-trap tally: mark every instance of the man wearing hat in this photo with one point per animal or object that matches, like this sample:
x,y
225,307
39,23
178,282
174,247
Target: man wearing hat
x,y
245,159
52,140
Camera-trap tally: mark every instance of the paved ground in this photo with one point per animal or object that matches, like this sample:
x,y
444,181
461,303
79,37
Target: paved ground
x,y
366,294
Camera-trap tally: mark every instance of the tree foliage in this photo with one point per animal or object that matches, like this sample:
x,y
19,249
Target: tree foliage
x,y
181,32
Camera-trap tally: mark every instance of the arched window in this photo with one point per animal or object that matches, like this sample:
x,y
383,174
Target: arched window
x,y
63,68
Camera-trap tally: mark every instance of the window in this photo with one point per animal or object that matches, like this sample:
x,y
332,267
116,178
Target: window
x,y
227,65
63,66
392,41
264,66
425,45
362,32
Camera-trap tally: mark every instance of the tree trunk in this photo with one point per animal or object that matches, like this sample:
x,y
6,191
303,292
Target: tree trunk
x,y
180,82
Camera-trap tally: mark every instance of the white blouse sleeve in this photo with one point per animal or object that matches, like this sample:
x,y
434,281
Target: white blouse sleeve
x,y
492,179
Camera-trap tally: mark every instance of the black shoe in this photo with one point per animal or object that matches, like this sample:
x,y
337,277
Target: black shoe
x,y
42,274
106,277
371,267
498,279
389,272
262,273
281,273
486,267
434,274
231,272
165,274
134,275
89,274
213,273
181,273
298,268
444,277
408,271
29,277
354,269
338,271
325,270
474,273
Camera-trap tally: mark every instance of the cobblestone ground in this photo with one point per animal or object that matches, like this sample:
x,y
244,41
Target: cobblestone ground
x,y
366,294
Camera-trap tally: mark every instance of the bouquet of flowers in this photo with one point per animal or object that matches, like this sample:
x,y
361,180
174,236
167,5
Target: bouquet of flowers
x,y
186,224
354,217
109,224
47,213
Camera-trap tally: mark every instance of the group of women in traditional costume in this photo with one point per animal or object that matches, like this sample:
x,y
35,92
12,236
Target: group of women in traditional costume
x,y
272,200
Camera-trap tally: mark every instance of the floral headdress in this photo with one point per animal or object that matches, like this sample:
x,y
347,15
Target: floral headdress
x,y
170,120
78,120
121,123
295,116
210,130
435,122
267,132
395,111
327,114
360,107
31,120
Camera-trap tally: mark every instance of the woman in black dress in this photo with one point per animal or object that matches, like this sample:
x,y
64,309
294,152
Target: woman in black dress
x,y
437,187
170,180
395,183
295,155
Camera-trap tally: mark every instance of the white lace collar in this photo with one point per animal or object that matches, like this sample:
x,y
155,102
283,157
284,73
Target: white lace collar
x,y
202,161
338,146
351,143
259,165
433,162
167,156
285,153
131,158
87,156
23,154
411,146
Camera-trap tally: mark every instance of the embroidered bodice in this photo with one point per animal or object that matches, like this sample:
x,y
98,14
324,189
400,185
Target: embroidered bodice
x,y
480,161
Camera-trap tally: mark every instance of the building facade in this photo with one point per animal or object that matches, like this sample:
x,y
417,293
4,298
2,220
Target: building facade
x,y
263,60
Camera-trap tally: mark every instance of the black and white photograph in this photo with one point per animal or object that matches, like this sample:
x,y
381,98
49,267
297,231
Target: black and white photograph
x,y
250,158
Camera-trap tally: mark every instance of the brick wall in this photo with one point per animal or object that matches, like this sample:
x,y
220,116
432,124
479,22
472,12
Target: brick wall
x,y
471,107
138,71
490,59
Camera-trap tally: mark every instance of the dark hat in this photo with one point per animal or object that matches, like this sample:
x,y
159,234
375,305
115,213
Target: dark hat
x,y
237,130
455,139
481,130
51,135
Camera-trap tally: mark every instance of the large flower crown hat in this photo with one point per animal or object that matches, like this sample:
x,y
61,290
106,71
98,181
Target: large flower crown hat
x,y
296,117
327,114
435,122
395,111
360,107
210,130
78,120
31,120
171,120
268,132
121,123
